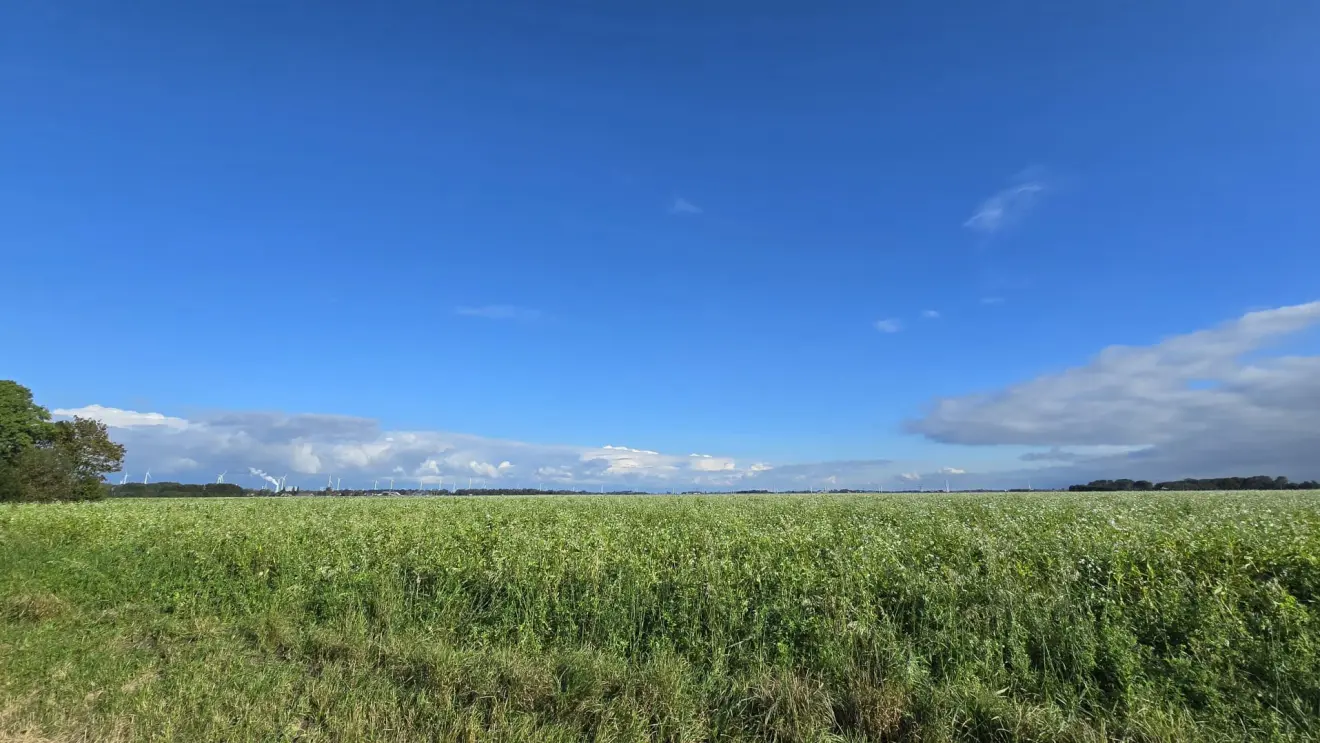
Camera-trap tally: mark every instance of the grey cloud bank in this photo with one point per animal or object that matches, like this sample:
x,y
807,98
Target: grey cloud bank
x,y
1191,405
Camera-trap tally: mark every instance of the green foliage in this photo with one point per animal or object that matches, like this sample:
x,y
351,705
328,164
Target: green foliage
x,y
86,446
841,618
23,423
44,461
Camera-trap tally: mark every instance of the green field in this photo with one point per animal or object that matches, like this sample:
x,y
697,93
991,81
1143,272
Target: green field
x,y
1188,617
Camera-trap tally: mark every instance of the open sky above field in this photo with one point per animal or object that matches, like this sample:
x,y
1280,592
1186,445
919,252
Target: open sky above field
x,y
668,244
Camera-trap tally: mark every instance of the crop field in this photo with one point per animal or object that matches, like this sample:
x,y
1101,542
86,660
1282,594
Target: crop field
x,y
1044,617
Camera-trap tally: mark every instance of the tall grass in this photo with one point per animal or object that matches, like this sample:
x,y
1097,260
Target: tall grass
x,y
898,618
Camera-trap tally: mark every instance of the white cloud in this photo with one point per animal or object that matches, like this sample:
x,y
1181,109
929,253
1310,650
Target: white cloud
x,y
486,469
633,451
310,447
708,463
930,314
952,471
1190,405
1006,207
681,205
889,325
499,312
117,418
622,461
304,459
909,476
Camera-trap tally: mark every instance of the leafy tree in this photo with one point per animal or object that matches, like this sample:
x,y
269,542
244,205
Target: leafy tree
x,y
23,423
44,461
87,450
11,485
43,473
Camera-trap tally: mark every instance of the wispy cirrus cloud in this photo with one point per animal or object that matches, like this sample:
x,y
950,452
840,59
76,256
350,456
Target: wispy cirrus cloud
x,y
888,325
681,205
500,312
1007,207
931,314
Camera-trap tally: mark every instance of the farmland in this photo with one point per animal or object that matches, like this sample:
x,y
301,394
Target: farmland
x,y
1068,617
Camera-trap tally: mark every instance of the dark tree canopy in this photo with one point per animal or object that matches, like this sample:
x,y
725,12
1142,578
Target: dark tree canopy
x,y
1256,482
166,489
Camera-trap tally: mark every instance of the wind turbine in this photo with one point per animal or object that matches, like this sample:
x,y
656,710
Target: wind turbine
x,y
329,482
146,478
375,484
280,487
337,481
220,479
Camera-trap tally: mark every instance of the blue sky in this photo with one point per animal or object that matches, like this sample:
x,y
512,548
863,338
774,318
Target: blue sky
x,y
677,227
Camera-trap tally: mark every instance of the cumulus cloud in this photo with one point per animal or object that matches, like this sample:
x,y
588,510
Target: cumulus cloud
x,y
1190,405
1006,207
931,314
681,205
486,469
708,463
952,471
909,476
309,447
499,312
888,325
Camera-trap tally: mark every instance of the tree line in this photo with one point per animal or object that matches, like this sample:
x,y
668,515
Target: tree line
x,y
177,490
166,489
41,460
1256,482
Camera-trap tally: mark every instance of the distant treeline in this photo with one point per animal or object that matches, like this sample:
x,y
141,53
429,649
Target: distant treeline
x,y
228,490
178,490
1257,482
